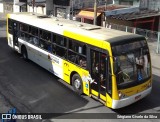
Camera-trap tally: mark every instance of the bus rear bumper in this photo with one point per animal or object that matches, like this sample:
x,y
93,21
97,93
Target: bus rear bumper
x,y
129,100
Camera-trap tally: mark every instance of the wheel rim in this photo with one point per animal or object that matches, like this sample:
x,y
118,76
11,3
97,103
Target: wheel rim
x,y
77,84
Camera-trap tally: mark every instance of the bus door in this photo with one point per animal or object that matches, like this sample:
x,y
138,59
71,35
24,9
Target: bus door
x,y
15,33
98,74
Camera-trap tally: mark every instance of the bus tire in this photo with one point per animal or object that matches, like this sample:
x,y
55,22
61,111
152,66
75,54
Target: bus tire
x,y
77,84
24,53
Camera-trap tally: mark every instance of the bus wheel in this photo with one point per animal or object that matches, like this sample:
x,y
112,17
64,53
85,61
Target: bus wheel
x,y
24,53
77,84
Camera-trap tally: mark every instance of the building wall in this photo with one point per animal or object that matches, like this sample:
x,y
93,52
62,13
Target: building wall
x,y
49,7
116,2
119,22
136,3
30,9
8,7
150,4
78,4
154,4
62,11
41,10
1,7
66,11
128,2
38,9
16,8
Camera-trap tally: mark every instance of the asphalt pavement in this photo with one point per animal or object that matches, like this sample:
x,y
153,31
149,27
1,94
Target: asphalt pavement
x,y
5,106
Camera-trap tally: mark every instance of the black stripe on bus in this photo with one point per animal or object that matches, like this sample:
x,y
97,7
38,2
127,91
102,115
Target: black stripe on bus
x,y
125,39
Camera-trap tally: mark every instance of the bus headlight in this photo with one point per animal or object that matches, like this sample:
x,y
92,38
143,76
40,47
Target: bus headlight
x,y
121,95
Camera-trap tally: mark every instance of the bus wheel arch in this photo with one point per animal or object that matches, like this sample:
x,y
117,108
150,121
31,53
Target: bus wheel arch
x,y
24,52
76,83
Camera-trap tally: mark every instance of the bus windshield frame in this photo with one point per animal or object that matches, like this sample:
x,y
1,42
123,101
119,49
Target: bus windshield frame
x,y
132,65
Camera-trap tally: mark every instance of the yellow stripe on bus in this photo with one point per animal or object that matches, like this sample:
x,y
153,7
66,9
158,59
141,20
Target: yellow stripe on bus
x,y
136,89
89,40
8,16
103,97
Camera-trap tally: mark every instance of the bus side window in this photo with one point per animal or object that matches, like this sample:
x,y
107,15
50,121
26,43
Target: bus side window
x,y
45,35
60,41
72,56
53,38
45,40
83,62
24,32
77,53
53,43
46,45
60,49
33,31
25,28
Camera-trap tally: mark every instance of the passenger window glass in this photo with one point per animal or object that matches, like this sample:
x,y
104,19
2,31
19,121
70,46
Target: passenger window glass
x,y
54,38
34,40
77,47
45,45
60,41
59,51
45,35
33,31
24,27
77,53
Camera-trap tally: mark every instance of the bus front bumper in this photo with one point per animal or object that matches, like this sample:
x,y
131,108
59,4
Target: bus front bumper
x,y
129,100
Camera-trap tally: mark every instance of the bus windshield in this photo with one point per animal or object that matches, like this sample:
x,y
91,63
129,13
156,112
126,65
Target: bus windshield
x,y
132,62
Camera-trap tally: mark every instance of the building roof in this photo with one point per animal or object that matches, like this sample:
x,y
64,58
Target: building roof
x,y
40,0
7,1
87,14
131,14
38,3
108,8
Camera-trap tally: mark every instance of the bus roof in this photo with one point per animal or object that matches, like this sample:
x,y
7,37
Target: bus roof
x,y
60,26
